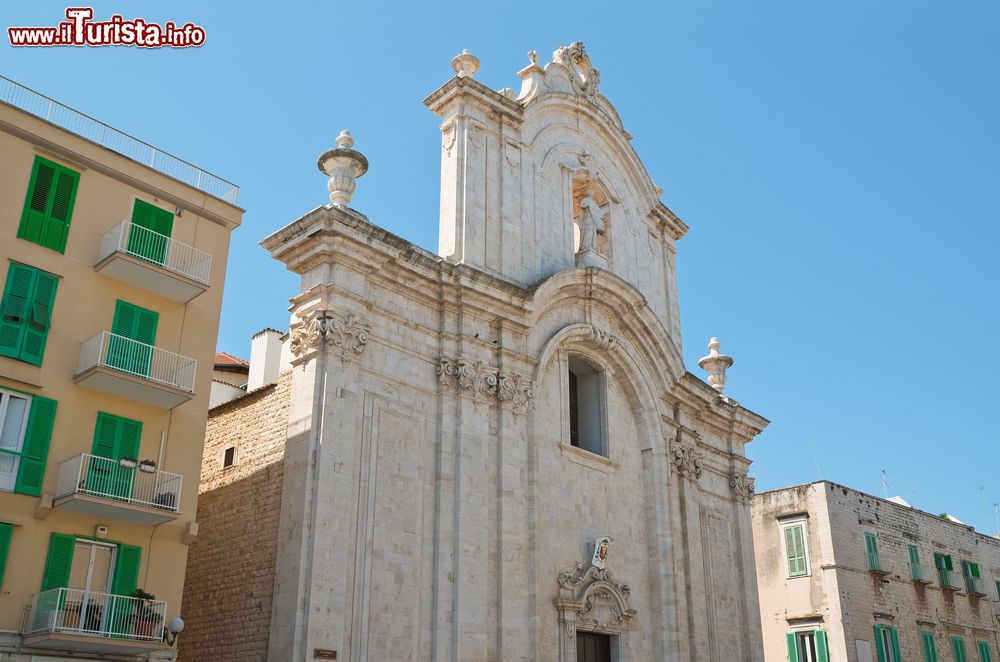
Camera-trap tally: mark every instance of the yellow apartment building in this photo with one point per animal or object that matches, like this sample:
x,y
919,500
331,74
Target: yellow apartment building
x,y
112,262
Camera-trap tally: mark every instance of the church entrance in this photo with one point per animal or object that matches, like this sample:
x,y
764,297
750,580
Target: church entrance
x,y
593,647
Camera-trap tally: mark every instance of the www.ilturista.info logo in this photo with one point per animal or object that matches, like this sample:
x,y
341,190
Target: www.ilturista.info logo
x,y
81,30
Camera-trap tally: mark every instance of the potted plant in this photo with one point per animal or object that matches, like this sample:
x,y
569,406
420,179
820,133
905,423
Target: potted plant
x,y
146,619
127,462
148,466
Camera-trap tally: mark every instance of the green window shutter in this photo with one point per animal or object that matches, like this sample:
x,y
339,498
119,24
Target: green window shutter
x,y
39,318
958,645
49,204
930,651
114,438
793,647
822,654
871,546
947,562
137,324
914,563
150,245
984,652
126,575
795,551
6,533
35,450
894,637
14,308
974,570
58,562
880,645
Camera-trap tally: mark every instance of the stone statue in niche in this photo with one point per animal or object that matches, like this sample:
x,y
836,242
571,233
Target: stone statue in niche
x,y
591,221
592,216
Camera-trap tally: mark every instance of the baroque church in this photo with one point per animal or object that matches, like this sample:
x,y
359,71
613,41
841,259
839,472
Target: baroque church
x,y
495,452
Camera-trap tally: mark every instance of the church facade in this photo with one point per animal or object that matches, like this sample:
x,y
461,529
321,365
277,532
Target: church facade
x,y
495,452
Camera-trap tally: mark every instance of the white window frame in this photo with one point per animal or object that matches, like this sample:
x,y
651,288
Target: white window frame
x,y
5,396
799,520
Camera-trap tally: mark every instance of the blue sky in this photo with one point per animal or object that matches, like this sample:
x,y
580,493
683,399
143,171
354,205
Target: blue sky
x,y
837,164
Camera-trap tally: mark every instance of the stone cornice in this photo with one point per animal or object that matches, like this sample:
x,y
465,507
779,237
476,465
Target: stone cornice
x,y
439,100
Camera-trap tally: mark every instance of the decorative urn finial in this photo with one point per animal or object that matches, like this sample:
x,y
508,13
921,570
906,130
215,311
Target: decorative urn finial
x,y
465,65
343,165
715,364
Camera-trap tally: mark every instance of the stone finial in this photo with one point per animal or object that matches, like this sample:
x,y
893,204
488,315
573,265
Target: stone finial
x,y
715,364
343,165
465,65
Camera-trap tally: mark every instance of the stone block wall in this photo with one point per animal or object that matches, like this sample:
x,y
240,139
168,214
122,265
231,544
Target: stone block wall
x,y
231,564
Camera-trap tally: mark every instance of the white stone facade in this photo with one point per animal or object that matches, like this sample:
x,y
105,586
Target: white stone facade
x,y
433,506
838,592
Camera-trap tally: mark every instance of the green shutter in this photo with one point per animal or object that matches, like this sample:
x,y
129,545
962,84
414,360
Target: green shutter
x,y
914,563
48,206
974,569
984,652
822,654
14,309
126,575
795,551
793,647
930,650
39,318
871,546
58,562
26,313
35,450
894,637
879,645
6,533
150,245
114,438
958,645
137,324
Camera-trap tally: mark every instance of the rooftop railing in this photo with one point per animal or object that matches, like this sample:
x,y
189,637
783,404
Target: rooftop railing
x,y
85,126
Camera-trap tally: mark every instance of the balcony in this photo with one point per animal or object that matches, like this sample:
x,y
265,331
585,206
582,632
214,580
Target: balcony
x,y
131,369
949,580
110,489
155,262
68,619
973,587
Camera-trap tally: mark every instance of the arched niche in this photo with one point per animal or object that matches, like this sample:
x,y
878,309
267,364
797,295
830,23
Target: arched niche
x,y
592,215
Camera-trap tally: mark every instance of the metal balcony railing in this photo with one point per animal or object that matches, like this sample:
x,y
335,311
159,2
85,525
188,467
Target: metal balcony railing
x,y
109,350
159,249
41,106
112,479
82,612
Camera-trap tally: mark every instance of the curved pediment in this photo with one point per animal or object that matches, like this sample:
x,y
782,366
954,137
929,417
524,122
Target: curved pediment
x,y
547,180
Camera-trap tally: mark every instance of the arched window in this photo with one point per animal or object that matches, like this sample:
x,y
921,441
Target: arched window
x,y
586,406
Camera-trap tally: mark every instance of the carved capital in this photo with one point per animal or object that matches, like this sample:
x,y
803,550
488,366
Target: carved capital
x,y
323,329
514,389
687,459
485,382
743,486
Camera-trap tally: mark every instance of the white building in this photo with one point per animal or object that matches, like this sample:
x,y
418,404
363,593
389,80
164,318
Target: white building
x,y
462,428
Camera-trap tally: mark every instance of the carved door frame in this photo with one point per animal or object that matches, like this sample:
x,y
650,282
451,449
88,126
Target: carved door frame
x,y
590,600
